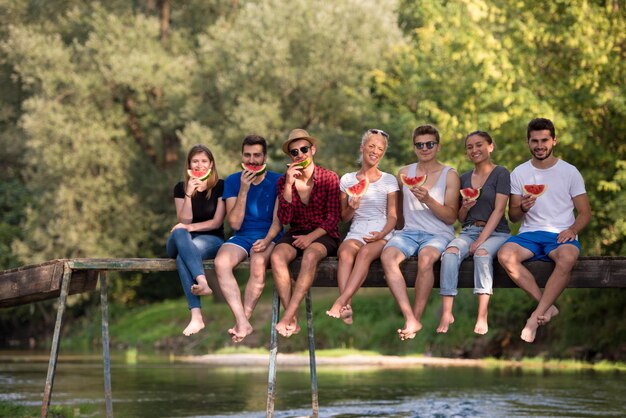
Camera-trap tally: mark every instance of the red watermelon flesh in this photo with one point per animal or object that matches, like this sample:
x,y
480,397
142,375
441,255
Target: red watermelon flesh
x,y
413,181
535,190
470,193
358,189
256,169
199,174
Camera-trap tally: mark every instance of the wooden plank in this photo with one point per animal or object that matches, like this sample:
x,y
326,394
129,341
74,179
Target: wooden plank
x,y
39,282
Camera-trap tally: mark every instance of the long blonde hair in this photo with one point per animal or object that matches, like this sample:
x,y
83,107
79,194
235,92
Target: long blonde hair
x,y
213,178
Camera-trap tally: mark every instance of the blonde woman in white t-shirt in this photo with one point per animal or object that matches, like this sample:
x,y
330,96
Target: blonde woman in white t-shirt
x,y
373,218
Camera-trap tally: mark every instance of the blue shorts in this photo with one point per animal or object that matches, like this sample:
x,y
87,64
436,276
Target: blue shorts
x,y
411,242
540,243
246,239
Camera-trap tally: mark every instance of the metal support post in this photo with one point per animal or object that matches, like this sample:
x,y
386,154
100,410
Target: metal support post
x,y
106,355
56,338
271,380
309,323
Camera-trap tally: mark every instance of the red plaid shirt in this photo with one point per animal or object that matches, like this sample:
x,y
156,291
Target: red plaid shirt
x,y
322,211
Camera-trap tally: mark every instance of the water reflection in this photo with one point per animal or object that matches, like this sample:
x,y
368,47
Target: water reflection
x,y
160,388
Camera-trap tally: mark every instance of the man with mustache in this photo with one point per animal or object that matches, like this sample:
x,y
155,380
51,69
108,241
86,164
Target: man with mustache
x,y
251,207
550,228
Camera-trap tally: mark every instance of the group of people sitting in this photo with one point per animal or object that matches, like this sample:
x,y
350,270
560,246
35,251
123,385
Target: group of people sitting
x,y
398,217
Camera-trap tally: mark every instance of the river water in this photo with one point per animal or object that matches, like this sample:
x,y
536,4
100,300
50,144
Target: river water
x,y
159,388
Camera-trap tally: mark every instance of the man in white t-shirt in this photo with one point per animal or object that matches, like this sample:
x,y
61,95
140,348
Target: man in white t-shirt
x,y
549,229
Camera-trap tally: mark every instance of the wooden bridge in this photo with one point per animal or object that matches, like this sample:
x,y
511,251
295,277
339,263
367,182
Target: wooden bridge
x,y
60,278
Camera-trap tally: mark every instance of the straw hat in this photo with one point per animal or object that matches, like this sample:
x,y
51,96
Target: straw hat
x,y
294,136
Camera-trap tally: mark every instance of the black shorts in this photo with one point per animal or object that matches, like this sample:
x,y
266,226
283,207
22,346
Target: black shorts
x,y
331,244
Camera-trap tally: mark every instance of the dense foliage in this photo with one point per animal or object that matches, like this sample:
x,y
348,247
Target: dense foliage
x,y
99,102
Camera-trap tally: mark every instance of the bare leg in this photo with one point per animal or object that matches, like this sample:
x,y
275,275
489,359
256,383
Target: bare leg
x,y
446,314
482,325
227,258
391,259
425,279
195,324
202,288
310,260
282,255
256,282
347,255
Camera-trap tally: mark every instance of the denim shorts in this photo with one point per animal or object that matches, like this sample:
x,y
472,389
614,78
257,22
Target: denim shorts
x,y
412,242
246,239
540,243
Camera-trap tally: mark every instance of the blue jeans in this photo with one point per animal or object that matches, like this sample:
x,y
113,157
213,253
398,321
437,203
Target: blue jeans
x,y
483,264
190,249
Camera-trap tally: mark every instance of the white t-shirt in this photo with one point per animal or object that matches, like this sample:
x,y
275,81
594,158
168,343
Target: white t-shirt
x,y
373,204
554,209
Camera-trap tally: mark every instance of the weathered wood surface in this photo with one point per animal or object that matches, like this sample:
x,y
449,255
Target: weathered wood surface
x,y
38,282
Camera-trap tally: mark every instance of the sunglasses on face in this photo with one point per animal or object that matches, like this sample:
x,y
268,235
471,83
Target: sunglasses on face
x,y
429,144
379,132
304,150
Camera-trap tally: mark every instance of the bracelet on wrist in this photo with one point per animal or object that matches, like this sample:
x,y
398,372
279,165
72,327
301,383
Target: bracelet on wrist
x,y
188,195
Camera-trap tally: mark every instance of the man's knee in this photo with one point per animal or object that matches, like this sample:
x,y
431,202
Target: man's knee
x,y
506,255
427,259
313,255
566,257
451,250
481,252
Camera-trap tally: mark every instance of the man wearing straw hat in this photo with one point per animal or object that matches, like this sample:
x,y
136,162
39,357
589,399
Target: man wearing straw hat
x,y
309,202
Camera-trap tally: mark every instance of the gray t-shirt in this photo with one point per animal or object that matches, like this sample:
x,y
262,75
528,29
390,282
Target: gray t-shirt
x,y
499,181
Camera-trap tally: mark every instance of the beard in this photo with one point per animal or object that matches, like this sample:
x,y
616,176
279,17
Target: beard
x,y
548,154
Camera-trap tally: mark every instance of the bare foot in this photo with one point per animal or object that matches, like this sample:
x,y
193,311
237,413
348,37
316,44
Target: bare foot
x,y
411,327
346,315
202,288
195,325
530,330
481,326
446,320
546,317
239,332
284,329
335,310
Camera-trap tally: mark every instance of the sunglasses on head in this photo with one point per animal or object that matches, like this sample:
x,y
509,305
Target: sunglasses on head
x,y
304,150
379,132
429,144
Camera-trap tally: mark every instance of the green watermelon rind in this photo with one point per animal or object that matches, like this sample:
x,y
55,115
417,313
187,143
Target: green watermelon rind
x,y
363,182
536,195
260,171
206,176
479,190
404,178
304,163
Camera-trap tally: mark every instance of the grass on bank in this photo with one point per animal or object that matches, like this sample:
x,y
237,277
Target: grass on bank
x,y
8,409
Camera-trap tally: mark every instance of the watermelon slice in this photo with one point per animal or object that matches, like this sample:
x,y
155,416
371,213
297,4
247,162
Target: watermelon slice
x,y
358,189
413,181
304,163
535,190
199,174
470,193
256,169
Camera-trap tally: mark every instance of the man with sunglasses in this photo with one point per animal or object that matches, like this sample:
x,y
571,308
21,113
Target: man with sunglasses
x,y
309,202
549,230
425,221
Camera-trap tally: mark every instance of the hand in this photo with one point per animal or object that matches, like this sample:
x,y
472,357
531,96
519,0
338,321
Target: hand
x,y
467,204
354,202
180,226
192,185
566,235
373,236
260,245
302,241
474,246
293,172
421,193
528,202
247,177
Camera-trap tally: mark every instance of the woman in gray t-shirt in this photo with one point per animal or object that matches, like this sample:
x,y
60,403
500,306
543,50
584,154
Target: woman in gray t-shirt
x,y
485,229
